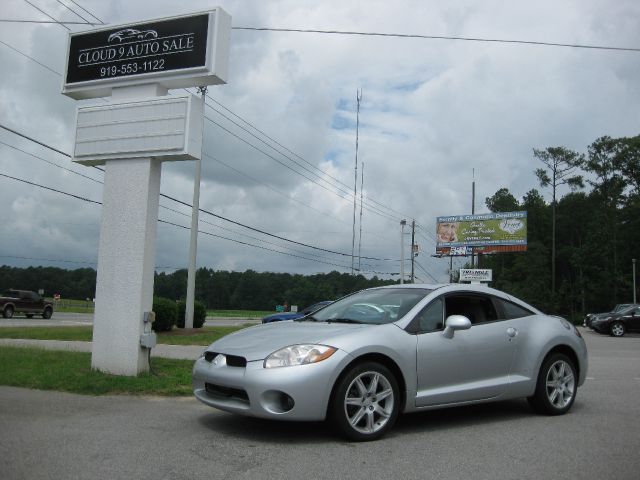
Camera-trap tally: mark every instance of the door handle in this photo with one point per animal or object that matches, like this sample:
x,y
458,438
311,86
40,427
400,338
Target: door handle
x,y
512,332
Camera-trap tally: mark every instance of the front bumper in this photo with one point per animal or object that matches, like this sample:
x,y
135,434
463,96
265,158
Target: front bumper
x,y
600,327
285,393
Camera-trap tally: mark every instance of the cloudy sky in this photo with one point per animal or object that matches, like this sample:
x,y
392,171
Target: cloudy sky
x,y
279,142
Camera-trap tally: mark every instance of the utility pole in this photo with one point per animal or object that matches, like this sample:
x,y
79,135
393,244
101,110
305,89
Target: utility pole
x,y
193,240
413,252
355,181
473,210
403,222
361,201
633,261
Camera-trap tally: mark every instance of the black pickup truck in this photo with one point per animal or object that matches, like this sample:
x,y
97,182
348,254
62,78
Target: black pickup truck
x,y
24,301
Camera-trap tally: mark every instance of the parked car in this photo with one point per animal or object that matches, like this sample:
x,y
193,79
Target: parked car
x,y
446,345
278,317
24,301
617,324
590,317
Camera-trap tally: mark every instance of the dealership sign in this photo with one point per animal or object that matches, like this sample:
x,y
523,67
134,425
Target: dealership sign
x,y
476,275
176,52
491,229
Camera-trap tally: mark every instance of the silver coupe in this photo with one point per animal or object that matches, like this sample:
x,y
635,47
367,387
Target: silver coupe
x,y
362,360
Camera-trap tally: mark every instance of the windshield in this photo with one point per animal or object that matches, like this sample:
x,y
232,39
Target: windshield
x,y
383,305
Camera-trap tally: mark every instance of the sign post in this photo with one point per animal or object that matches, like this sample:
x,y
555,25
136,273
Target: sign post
x,y
142,126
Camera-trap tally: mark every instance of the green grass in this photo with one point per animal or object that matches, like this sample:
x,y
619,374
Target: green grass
x,y
71,372
201,336
82,306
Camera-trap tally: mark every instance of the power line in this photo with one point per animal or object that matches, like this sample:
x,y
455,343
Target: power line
x,y
288,166
187,228
74,12
62,22
438,37
368,207
50,188
42,11
87,11
349,190
425,271
51,163
205,211
30,58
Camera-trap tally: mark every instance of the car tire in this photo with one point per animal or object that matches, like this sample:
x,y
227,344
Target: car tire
x,y
556,387
7,312
617,329
365,402
48,312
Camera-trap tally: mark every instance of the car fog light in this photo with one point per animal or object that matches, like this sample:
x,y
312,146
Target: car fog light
x,y
276,401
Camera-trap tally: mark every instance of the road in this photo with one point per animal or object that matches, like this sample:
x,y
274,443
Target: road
x,y
57,435
62,319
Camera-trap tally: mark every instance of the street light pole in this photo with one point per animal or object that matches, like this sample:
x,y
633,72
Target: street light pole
x,y
633,261
402,224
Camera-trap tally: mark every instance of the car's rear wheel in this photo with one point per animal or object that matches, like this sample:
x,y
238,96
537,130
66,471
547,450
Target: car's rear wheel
x,y
365,402
617,329
556,387
7,312
47,313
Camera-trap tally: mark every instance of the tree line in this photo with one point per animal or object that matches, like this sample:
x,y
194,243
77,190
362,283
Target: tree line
x,y
217,289
579,256
581,244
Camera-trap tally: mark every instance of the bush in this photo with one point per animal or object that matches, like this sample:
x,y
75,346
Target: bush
x,y
166,314
199,314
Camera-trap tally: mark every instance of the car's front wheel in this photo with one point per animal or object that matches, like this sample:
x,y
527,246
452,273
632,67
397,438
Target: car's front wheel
x,y
617,329
365,402
556,387
7,312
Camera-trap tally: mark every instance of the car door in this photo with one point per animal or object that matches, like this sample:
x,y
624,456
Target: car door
x,y
632,319
474,364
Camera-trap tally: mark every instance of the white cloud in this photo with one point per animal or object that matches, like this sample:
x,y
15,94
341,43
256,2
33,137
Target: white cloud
x,y
432,111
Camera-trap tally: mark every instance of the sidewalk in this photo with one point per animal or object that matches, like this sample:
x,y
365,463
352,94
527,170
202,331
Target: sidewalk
x,y
186,352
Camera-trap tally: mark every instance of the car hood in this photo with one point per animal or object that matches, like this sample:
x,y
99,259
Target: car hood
x,y
256,343
284,316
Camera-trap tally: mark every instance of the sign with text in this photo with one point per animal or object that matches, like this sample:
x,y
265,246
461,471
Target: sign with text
x,y
491,229
476,275
176,52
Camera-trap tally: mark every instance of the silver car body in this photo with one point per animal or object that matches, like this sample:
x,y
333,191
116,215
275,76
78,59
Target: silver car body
x,y
490,361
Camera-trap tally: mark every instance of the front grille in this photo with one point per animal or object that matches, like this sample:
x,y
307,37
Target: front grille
x,y
209,356
226,392
232,360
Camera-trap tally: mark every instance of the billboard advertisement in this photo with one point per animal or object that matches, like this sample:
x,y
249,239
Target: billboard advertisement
x,y
489,230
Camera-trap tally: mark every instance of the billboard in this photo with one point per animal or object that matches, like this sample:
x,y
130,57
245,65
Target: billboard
x,y
489,232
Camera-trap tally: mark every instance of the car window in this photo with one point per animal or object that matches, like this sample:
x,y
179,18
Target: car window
x,y
375,306
511,310
477,308
431,318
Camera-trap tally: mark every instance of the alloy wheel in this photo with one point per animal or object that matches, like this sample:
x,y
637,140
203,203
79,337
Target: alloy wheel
x,y
560,384
617,329
369,402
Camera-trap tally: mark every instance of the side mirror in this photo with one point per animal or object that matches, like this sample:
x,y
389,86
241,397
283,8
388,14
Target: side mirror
x,y
455,322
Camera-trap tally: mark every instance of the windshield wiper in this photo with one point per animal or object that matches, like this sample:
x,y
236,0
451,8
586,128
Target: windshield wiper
x,y
344,320
307,318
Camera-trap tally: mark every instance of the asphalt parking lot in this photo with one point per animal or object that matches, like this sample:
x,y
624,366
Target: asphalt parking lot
x,y
56,435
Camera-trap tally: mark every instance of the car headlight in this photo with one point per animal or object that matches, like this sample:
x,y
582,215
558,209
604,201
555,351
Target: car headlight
x,y
298,355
